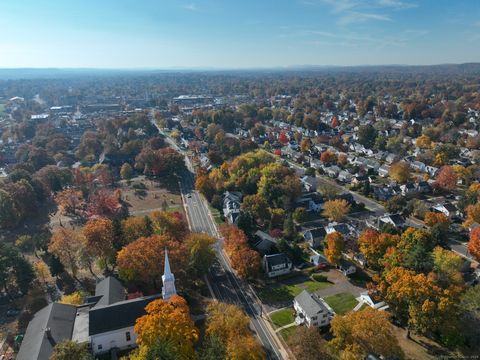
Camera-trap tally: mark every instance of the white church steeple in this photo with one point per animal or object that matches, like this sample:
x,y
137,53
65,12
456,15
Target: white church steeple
x,y
168,279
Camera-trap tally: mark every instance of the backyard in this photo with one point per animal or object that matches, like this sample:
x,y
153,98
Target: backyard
x,y
286,292
341,303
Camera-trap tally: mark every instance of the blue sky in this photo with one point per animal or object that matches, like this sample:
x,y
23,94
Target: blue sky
x,y
237,34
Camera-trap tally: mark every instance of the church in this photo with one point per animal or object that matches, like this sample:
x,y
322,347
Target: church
x,y
105,321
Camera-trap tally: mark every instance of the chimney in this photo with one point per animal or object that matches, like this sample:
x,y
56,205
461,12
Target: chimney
x,y
48,332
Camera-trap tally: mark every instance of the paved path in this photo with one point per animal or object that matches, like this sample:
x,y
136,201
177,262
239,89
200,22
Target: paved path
x,y
285,327
341,285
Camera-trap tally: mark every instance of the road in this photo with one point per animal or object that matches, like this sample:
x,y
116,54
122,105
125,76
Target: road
x,y
224,283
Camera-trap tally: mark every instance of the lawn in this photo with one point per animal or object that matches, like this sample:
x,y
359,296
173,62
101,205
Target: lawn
x,y
285,292
341,303
285,333
282,317
217,216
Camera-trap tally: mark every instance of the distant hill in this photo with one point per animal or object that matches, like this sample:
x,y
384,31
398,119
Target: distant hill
x,y
48,73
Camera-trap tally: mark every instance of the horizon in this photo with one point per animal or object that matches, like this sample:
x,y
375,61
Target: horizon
x,y
260,35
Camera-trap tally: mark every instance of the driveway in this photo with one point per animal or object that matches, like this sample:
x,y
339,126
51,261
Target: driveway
x,y
341,285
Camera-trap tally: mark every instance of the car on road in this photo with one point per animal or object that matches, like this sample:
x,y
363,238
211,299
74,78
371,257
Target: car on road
x,y
321,267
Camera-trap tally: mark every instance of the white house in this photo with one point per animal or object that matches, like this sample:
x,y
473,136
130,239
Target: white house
x,y
346,267
311,310
231,206
276,265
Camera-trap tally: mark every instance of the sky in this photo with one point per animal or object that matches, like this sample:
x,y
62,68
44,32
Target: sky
x,y
164,34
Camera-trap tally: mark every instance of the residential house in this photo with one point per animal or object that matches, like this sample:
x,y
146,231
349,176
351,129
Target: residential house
x,y
360,258
396,220
423,187
346,267
408,189
232,201
314,236
345,229
318,260
448,209
311,202
418,166
366,299
311,310
382,193
345,176
332,171
264,242
309,183
276,265
383,171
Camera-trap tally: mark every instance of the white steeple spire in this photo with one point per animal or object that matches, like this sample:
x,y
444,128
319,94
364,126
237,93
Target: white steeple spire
x,y
168,279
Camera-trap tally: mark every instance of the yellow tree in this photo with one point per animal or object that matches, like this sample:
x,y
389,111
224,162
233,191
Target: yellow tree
x,y
334,247
336,210
230,324
67,246
75,298
41,269
360,333
373,245
400,172
473,214
170,321
98,235
423,142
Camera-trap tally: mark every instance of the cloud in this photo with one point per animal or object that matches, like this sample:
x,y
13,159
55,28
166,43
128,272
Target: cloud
x,y
396,4
190,7
357,17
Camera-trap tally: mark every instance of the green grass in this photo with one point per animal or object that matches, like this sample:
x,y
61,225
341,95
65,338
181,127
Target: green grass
x,y
217,216
282,317
288,292
286,333
2,108
341,303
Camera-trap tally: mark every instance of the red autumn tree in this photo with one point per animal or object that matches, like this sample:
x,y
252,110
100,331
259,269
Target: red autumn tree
x,y
98,235
334,122
282,138
103,204
446,178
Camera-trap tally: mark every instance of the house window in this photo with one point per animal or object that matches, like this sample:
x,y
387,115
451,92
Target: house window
x,y
127,335
314,318
100,347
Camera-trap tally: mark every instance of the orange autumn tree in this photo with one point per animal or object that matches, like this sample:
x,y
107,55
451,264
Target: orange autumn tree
x,y
229,323
69,201
334,247
169,321
473,215
169,223
358,334
400,171
67,245
446,178
98,235
143,260
373,245
244,260
474,243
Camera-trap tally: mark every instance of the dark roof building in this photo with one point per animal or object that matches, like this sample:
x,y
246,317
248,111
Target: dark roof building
x,y
49,326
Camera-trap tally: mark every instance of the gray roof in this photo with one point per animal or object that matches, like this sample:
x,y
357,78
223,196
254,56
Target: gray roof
x,y
111,291
118,315
37,345
276,259
310,303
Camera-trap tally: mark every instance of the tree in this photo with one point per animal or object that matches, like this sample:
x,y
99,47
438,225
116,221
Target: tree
x,y
367,135
447,267
257,206
66,245
327,157
170,321
102,204
98,235
69,201
202,254
212,349
75,298
358,334
169,223
229,323
308,344
9,215
134,228
373,245
282,138
446,178
143,260
16,273
328,191
423,142
126,171
336,210
41,271
400,171
334,247
474,243
71,350
472,214
436,218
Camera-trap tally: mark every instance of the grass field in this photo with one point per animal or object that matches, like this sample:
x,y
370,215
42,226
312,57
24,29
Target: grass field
x,y
285,333
282,317
217,216
341,303
288,292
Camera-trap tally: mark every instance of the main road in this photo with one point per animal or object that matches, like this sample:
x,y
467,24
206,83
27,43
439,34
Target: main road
x,y
223,282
